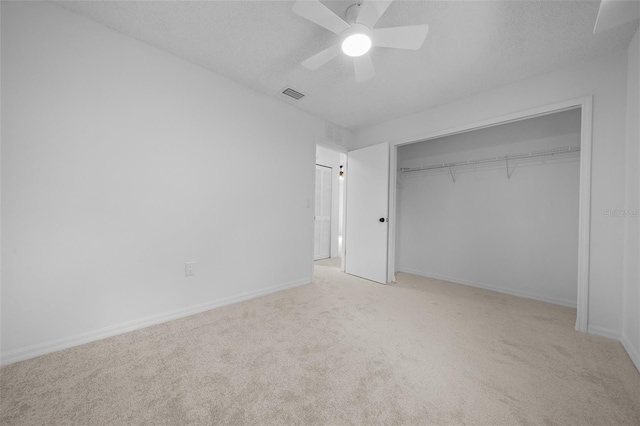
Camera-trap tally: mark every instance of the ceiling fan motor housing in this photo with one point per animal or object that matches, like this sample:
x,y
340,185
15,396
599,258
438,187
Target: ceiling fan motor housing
x,y
356,29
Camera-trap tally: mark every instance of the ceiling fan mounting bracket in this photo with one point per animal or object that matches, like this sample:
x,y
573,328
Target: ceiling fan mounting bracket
x,y
352,12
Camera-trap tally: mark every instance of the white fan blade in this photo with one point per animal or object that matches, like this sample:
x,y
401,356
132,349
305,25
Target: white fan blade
x,y
410,37
318,13
319,59
371,11
363,67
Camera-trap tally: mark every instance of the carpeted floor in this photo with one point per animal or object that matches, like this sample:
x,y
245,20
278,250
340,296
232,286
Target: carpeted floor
x,y
339,351
334,262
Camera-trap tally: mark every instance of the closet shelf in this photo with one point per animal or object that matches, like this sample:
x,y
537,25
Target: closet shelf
x,y
506,158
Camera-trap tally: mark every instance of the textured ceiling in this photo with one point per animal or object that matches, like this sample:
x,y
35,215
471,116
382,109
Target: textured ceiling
x,y
472,46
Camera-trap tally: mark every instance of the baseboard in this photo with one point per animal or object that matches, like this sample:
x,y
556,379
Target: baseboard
x,y
632,351
555,301
603,332
33,351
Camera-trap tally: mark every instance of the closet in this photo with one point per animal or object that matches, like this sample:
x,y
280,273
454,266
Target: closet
x,y
495,208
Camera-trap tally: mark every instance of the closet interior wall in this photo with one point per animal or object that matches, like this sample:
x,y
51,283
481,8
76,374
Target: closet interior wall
x,y
511,228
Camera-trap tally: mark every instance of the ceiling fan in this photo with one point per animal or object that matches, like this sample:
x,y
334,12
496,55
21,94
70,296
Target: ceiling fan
x,y
358,37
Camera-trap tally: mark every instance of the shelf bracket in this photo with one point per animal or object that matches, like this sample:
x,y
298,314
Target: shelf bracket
x,y
509,174
453,176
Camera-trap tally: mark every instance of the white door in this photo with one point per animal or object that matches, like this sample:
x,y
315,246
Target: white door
x,y
322,235
367,213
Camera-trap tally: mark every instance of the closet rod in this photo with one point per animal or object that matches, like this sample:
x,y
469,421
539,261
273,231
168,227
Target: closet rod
x,y
493,159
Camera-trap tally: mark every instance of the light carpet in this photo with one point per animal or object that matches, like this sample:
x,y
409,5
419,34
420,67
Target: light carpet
x,y
339,351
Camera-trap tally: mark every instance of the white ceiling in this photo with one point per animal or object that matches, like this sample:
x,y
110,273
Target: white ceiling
x,y
472,46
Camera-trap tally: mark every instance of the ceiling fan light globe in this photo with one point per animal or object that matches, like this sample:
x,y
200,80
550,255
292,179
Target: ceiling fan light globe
x,y
356,45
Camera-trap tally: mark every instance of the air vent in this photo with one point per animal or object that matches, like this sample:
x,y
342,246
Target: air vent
x,y
293,93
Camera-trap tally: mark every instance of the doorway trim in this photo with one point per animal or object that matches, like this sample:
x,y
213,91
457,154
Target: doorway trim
x,y
584,216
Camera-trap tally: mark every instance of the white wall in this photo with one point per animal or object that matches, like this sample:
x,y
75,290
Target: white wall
x,y
331,158
631,293
605,78
516,235
121,162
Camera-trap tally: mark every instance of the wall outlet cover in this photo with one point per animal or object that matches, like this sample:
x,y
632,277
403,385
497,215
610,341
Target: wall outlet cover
x,y
189,269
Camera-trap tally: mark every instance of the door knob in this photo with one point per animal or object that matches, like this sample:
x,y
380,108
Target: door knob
x,y
382,219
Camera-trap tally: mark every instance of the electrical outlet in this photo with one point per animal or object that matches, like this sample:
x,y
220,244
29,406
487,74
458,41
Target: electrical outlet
x,y
189,269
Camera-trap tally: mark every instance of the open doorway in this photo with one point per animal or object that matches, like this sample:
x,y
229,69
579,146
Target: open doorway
x,y
329,207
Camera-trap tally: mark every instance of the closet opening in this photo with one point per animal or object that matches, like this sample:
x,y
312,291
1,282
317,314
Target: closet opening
x,y
502,206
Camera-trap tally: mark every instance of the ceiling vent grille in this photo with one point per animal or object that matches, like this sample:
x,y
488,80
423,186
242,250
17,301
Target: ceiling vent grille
x,y
293,93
